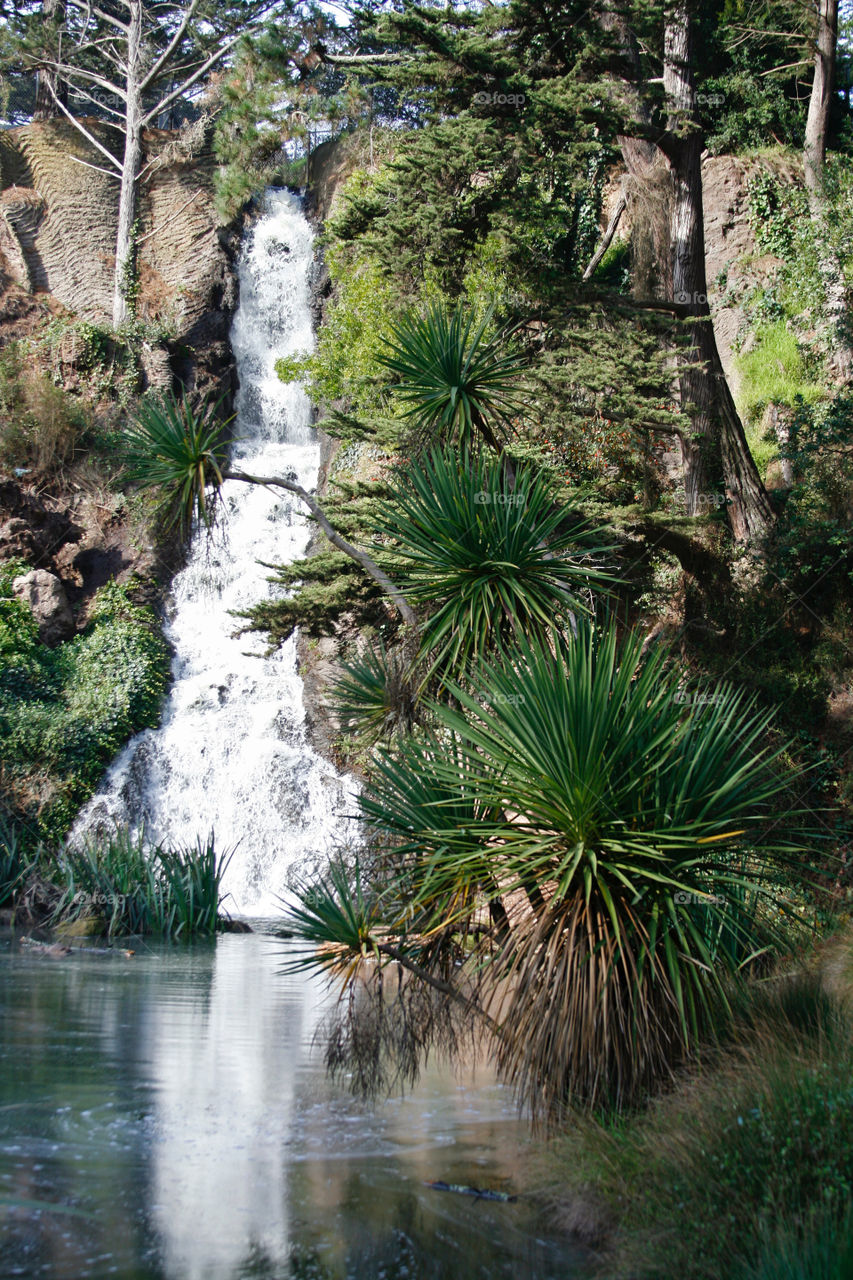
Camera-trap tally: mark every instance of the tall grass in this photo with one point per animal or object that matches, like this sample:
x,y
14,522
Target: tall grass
x,y
746,1170
14,864
125,886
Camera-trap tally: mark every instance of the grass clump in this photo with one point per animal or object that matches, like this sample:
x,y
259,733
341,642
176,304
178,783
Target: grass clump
x,y
126,887
14,864
745,1170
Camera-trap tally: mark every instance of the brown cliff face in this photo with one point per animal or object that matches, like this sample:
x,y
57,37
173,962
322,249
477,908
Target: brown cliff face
x,y
57,237
58,220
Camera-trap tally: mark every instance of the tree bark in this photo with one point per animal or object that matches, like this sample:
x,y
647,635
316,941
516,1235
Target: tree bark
x,y
715,437
820,100
130,167
814,159
49,89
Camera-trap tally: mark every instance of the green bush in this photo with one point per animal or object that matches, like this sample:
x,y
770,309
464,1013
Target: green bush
x,y
65,712
747,1170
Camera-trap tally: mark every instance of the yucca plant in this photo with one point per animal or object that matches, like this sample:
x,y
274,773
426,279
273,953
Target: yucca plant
x,y
377,696
180,450
615,850
491,557
457,378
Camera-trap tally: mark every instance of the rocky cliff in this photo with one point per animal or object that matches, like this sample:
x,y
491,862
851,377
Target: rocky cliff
x,y
58,220
57,241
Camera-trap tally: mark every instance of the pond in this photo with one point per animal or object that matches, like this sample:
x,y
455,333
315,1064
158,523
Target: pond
x,y
173,1108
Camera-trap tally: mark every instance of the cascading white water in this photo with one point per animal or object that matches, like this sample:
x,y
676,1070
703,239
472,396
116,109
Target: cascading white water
x,y
231,753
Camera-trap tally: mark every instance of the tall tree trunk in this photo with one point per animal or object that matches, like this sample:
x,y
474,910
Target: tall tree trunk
x,y
48,85
820,101
715,439
130,168
814,158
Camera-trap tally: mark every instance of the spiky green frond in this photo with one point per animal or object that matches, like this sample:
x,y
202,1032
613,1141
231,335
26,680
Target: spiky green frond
x,y
456,378
490,555
628,839
179,451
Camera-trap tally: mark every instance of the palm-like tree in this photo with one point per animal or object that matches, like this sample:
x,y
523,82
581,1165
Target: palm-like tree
x,y
180,451
457,379
489,557
613,846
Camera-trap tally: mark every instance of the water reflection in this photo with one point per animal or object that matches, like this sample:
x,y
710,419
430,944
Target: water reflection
x,y
174,1101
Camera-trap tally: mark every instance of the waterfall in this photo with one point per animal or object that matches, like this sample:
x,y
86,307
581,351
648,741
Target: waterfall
x,y
231,753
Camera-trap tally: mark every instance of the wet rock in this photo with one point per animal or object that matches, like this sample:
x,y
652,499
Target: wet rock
x,y
45,595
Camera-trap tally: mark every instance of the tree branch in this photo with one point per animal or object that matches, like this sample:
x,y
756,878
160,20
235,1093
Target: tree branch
x,y
215,57
606,239
81,128
372,569
67,72
170,47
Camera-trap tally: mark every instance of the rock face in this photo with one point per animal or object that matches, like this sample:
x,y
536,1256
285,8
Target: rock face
x,y
58,222
45,595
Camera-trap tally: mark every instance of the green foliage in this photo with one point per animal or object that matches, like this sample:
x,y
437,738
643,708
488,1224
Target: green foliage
x,y
813,546
746,1169
774,371
133,888
66,711
339,914
630,819
14,863
492,557
455,379
180,451
346,364
376,698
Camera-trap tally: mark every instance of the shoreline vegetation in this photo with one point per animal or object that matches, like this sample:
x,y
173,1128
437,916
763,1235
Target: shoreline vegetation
x,y
114,886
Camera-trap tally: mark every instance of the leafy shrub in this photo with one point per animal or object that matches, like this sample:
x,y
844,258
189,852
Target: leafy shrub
x,y
747,1170
66,711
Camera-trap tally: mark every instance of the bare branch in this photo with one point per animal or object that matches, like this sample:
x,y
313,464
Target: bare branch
x,y
81,128
215,57
404,609
170,47
355,59
67,72
98,168
606,239
83,7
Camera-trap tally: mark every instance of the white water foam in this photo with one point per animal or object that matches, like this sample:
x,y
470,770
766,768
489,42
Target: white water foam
x,y
231,753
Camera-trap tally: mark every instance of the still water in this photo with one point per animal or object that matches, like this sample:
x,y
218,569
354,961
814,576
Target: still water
x,y
172,1108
